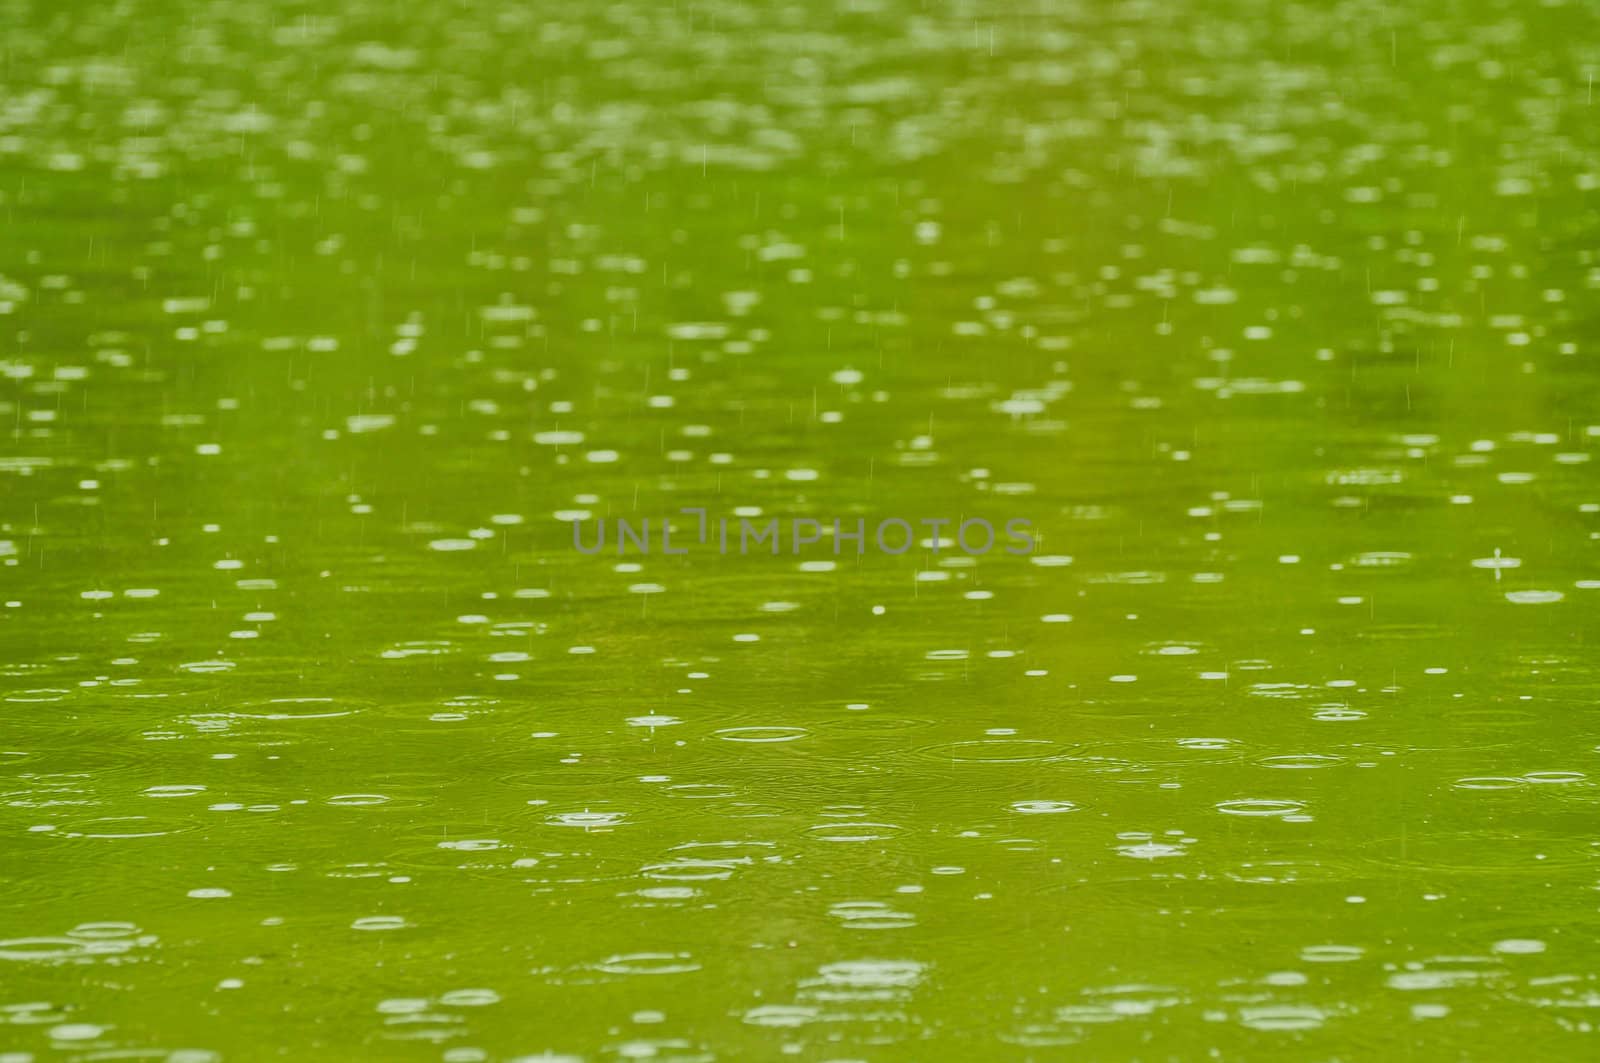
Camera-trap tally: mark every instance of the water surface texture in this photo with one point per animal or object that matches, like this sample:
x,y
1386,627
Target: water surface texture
x,y
320,323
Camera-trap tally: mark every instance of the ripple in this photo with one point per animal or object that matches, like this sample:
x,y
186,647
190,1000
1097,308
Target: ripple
x,y
1042,808
1301,761
1260,806
471,845
693,870
1040,1035
1490,782
469,998
1206,744
1338,714
701,791
780,1015
872,974
103,931
1443,973
853,832
174,791
1546,778
123,828
1381,559
380,922
653,720
586,819
871,915
649,963
1282,1017
1533,597
60,949
39,696
761,734
77,1031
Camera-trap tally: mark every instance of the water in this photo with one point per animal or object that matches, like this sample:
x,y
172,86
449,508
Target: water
x,y
321,323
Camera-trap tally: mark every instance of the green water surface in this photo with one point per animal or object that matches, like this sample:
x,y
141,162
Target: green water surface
x,y
321,322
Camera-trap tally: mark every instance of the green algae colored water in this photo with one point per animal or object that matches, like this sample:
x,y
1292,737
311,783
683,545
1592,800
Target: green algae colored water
x,y
322,324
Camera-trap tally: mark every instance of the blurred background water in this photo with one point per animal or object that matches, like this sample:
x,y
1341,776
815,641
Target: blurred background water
x,y
320,323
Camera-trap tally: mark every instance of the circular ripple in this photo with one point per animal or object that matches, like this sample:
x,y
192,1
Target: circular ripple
x,y
97,931
469,998
1549,777
1260,806
1338,714
761,734
118,828
1533,597
871,915
357,800
1206,744
586,819
853,832
173,791
701,791
649,963
692,870
1490,782
1301,761
38,696
1042,808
